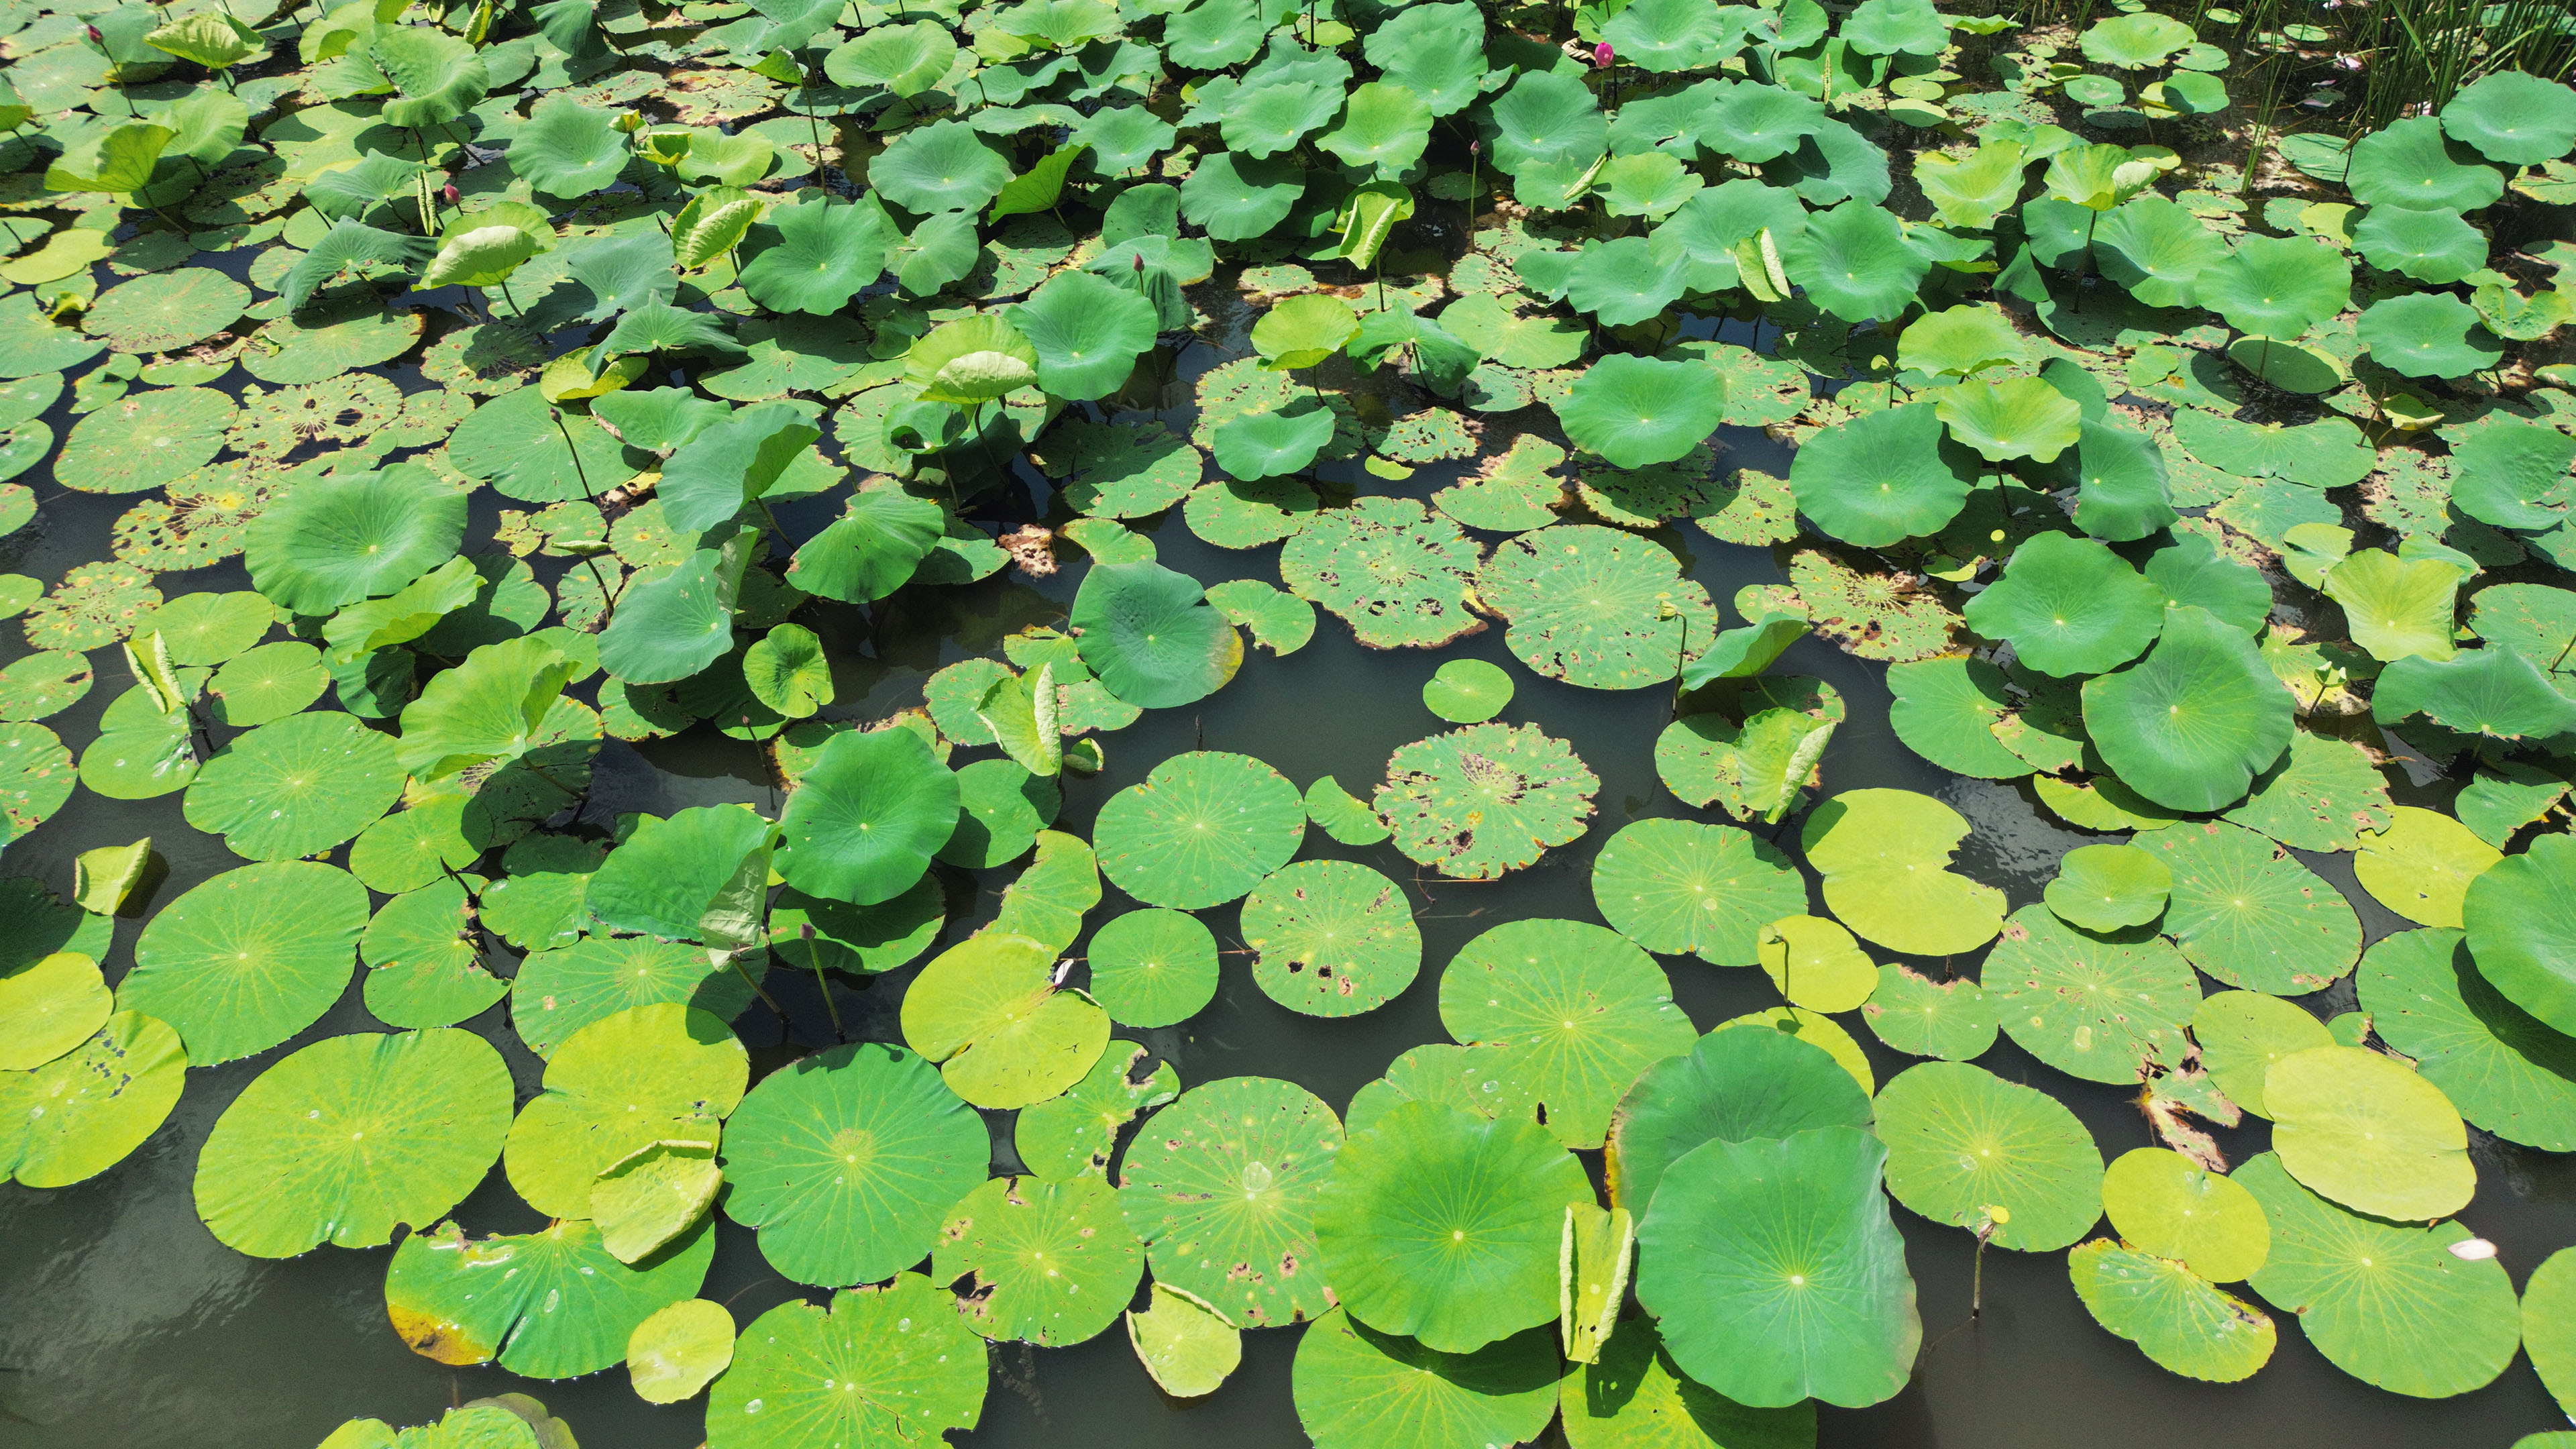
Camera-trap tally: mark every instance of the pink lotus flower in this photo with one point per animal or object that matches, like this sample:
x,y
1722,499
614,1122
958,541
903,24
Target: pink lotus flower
x,y
1602,54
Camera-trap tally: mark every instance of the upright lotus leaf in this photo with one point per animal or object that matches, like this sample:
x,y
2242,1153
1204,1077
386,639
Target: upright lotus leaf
x,y
2069,606
1577,1011
666,875
2100,1007
2513,118
2520,916
1087,332
1274,444
2411,164
1437,51
2276,286
2004,1161
813,256
1960,342
885,1365
672,625
568,149
215,41
1637,411
871,811
1972,191
2510,473
872,549
1732,1086
1883,477
944,166
2021,417
2493,691
2121,489
1856,263
903,59
349,1137
788,671
2192,724
1150,636
1214,34
2430,246
350,536
1445,1227
1592,1276
2157,249
1884,855
847,1162
1359,1388
648,1074
116,159
2396,607
548,1304
1775,1274
438,76
1946,709
1239,198
492,708
1546,118
972,360
731,463
1384,125
1303,331
2428,334
988,1011
2391,1304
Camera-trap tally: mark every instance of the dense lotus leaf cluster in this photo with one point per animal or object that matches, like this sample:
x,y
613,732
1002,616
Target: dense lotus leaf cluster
x,y
479,384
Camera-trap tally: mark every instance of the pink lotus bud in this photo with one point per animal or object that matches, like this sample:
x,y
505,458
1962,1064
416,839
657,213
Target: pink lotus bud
x,y
450,192
1601,55
1475,148
92,32
1140,264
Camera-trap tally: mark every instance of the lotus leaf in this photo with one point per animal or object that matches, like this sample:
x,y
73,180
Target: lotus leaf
x,y
2513,118
2174,1315
1577,1011
1476,802
2411,164
1883,477
1331,938
648,1074
2428,334
1856,262
899,1364
351,536
1732,1086
2070,606
2096,1007
1883,853
1051,1262
2493,691
549,1304
249,958
1635,411
1005,1037
1358,1388
83,1112
2506,1071
2191,724
2006,1162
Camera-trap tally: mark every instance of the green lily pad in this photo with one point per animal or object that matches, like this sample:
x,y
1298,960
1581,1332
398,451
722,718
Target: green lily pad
x,y
872,810
2194,722
1675,886
1633,1397
883,1365
2368,1132
1489,798
1596,607
1882,477
87,1110
847,1161
1223,1191
145,440
1398,574
1636,411
2422,864
36,777
2173,1315
2506,1071
1188,1349
1775,1274
2385,1302
2323,795
547,1304
2098,1007
247,959
1577,1011
1732,1086
48,1007
1331,938
1445,1226
424,969
297,787
1921,1017
1359,1388
558,992
679,1350
166,311
350,1137
2107,888
1963,1143
2171,1206
648,1074
2242,1033
2247,912
1200,830
1153,967
1150,636
1076,1134
2070,606
1051,1262
1883,854
1945,710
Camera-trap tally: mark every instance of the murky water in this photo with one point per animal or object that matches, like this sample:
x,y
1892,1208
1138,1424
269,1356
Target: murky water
x,y
123,1323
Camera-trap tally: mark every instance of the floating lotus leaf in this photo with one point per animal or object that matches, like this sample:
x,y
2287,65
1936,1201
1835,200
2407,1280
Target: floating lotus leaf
x,y
1593,606
2097,1007
1746,1218
1228,1176
2491,691
1476,802
1949,1019
1635,411
1331,938
847,1161
2507,1072
549,1304
1076,1134
2422,864
36,777
1439,1223
1732,1086
1149,635
1674,886
1002,809
425,969
1963,1143
899,1363
50,1006
2545,1325
1577,1011
2322,796
86,1110
2248,913
2168,1205
2108,888
1051,1261
648,1074
1467,691
988,1011
1358,1388
141,442
2384,1302
249,958
1399,574
1945,710
350,1137
1200,830
2368,1132
1633,1396
1883,854
1816,964
2173,1315
1187,1348
679,1350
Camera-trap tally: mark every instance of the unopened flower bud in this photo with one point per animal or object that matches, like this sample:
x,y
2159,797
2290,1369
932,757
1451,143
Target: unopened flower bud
x,y
94,37
450,192
1601,55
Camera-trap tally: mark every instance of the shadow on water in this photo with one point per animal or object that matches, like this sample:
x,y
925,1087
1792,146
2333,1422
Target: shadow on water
x,y
123,1322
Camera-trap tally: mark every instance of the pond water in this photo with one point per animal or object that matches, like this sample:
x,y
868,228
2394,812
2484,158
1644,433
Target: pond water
x,y
123,1322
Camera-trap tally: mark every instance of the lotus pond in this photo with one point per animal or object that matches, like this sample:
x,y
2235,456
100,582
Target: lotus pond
x,y
1204,722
